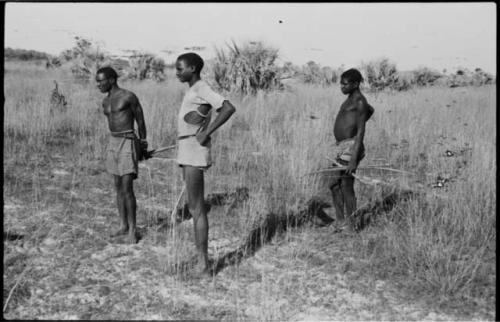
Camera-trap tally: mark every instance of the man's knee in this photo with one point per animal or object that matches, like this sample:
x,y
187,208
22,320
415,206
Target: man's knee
x,y
196,208
348,184
127,185
336,185
118,183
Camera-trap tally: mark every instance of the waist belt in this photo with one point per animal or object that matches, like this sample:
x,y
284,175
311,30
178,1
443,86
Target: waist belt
x,y
182,137
125,134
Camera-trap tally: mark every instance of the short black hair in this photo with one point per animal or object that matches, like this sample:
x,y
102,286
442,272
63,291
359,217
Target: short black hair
x,y
109,72
353,75
193,59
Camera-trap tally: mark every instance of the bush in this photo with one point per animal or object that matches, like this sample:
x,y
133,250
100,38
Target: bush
x,y
315,74
85,58
403,81
146,66
380,74
25,55
465,77
246,69
426,77
289,70
481,77
53,62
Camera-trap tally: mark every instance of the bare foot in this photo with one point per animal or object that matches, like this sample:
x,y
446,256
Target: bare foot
x,y
344,225
119,232
132,238
201,269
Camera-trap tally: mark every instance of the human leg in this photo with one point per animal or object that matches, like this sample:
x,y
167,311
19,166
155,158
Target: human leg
x,y
130,205
348,187
337,198
196,205
349,194
120,202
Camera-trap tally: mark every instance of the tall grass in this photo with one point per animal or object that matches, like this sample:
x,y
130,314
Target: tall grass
x,y
273,141
246,68
440,244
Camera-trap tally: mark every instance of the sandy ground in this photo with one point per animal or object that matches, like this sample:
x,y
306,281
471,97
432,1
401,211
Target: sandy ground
x,y
66,267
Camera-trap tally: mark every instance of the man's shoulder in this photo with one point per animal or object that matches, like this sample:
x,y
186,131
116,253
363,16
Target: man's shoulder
x,y
202,85
361,100
199,85
363,106
127,94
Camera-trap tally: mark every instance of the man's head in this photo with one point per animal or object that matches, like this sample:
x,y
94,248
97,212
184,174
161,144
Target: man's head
x,y
350,80
187,65
106,77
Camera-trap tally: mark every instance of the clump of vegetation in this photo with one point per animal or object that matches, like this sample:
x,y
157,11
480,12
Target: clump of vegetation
x,y
425,76
53,62
313,73
405,80
247,68
289,70
465,77
146,66
24,54
85,59
380,74
383,74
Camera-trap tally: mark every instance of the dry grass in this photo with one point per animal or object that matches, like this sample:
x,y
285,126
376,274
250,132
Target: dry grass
x,y
59,197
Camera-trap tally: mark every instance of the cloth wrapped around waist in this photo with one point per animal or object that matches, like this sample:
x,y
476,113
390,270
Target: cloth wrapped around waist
x,y
131,135
344,150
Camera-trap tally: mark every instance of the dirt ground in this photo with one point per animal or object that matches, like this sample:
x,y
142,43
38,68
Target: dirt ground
x,y
62,265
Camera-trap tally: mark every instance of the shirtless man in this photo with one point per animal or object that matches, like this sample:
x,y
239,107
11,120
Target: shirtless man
x,y
349,131
122,107
194,143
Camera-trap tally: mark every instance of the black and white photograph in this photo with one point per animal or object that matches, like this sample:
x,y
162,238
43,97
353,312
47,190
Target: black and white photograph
x,y
285,161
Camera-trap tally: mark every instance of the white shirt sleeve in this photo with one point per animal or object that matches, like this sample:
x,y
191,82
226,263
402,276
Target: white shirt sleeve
x,y
207,94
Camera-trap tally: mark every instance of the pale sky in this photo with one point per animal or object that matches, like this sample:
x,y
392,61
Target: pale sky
x,y
437,35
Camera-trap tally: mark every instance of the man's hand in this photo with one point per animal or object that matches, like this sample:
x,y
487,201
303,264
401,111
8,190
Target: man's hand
x,y
351,167
203,138
144,149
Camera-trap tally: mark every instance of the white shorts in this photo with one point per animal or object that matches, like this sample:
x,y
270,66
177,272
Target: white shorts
x,y
191,152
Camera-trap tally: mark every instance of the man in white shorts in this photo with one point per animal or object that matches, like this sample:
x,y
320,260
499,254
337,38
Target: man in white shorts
x,y
194,130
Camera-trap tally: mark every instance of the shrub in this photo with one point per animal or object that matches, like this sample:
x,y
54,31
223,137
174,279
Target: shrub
x,y
85,59
145,66
426,77
380,74
404,81
53,62
247,68
23,54
481,77
313,73
289,70
465,77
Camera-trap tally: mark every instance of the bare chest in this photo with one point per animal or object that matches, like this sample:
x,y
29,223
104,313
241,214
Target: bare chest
x,y
347,110
114,105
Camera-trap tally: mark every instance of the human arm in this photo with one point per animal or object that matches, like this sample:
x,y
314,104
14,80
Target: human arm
x,y
224,114
199,116
136,108
363,112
